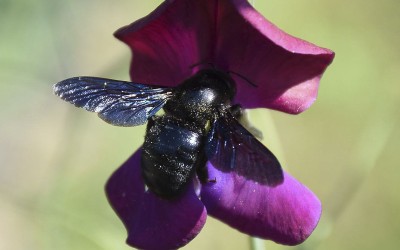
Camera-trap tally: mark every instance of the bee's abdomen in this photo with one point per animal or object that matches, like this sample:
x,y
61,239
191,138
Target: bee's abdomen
x,y
170,156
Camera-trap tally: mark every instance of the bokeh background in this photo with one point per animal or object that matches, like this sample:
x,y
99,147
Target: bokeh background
x,y
55,159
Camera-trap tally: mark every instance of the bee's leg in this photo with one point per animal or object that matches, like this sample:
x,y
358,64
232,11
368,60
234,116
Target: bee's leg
x,y
243,117
202,171
237,111
151,121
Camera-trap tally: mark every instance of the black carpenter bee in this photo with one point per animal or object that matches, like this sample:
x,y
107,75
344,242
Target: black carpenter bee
x,y
199,125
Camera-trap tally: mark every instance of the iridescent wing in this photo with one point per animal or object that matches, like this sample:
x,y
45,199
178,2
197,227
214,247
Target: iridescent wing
x,y
119,103
231,148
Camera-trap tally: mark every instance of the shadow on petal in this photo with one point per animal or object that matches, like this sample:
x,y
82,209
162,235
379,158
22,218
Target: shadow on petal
x,y
286,214
151,222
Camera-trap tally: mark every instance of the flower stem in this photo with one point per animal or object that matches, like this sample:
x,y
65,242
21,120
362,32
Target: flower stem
x,y
256,244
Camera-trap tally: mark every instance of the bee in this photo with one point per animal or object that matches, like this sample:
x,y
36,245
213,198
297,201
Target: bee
x,y
199,124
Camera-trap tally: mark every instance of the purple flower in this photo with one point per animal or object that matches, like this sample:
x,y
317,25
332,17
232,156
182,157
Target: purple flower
x,y
170,45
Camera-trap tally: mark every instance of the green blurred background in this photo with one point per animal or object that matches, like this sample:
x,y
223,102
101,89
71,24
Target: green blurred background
x,y
55,159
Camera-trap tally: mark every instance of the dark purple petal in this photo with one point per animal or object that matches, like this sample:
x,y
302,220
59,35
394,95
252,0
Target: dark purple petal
x,y
168,41
286,214
151,222
233,36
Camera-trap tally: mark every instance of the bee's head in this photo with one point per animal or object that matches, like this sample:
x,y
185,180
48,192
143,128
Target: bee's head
x,y
198,97
217,81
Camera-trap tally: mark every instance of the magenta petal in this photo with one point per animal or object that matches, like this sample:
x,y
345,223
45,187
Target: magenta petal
x,y
286,214
151,222
286,69
168,41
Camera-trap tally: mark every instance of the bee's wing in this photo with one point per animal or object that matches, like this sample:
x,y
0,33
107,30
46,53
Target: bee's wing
x,y
230,147
116,102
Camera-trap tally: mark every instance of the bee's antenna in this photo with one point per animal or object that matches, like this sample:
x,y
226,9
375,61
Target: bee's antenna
x,y
229,72
243,77
200,63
